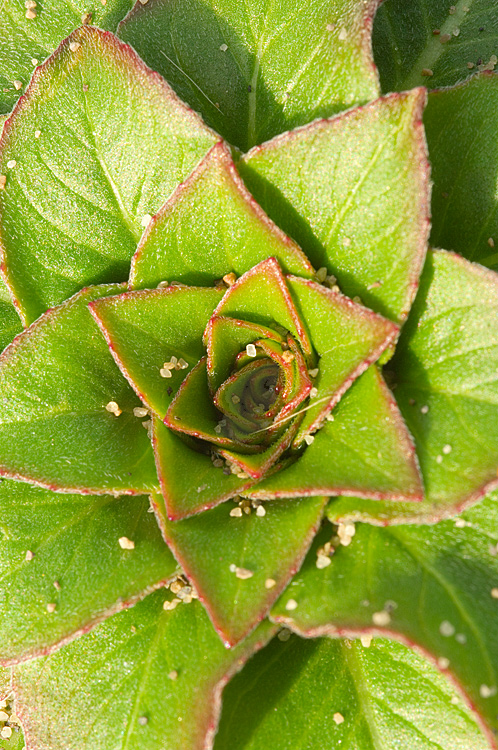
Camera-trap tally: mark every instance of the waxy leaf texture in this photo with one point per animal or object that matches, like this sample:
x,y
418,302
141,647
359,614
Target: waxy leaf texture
x,y
241,396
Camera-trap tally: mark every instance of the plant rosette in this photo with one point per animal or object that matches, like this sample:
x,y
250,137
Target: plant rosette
x,y
243,379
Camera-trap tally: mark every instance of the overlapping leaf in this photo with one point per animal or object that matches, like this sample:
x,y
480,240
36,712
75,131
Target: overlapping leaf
x,y
27,38
433,42
255,71
62,553
211,227
56,381
97,144
461,128
444,379
232,559
358,203
366,450
337,693
145,678
432,585
10,323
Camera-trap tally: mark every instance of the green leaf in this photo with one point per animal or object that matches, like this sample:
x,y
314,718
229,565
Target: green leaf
x,y
114,141
365,451
56,380
211,226
346,337
445,372
10,323
225,339
188,479
63,550
464,172
358,204
230,559
255,70
145,678
431,585
26,42
261,296
294,693
408,53
143,329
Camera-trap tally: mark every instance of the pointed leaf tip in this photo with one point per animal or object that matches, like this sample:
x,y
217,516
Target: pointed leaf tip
x,y
98,141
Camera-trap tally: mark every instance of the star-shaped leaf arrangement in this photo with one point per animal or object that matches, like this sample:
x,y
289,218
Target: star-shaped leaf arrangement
x,y
244,381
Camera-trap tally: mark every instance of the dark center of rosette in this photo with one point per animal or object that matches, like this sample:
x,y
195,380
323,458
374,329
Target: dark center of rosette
x,y
244,400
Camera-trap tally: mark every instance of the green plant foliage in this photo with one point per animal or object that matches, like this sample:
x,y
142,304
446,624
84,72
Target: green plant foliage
x,y
255,70
343,694
464,197
146,677
27,38
435,585
432,42
239,390
71,145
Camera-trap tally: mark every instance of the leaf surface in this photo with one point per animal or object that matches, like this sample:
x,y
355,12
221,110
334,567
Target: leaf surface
x,y
366,450
464,168
430,585
346,337
56,381
188,479
407,51
63,550
144,329
26,42
255,69
358,204
214,547
211,226
10,323
145,678
445,370
113,143
377,690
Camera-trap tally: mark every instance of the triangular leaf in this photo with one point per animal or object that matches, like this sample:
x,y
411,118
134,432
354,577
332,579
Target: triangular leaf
x,y
210,227
434,586
358,204
346,337
145,329
98,142
464,198
240,564
254,71
63,568
261,296
446,385
145,678
433,43
27,38
330,693
189,480
56,381
365,451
